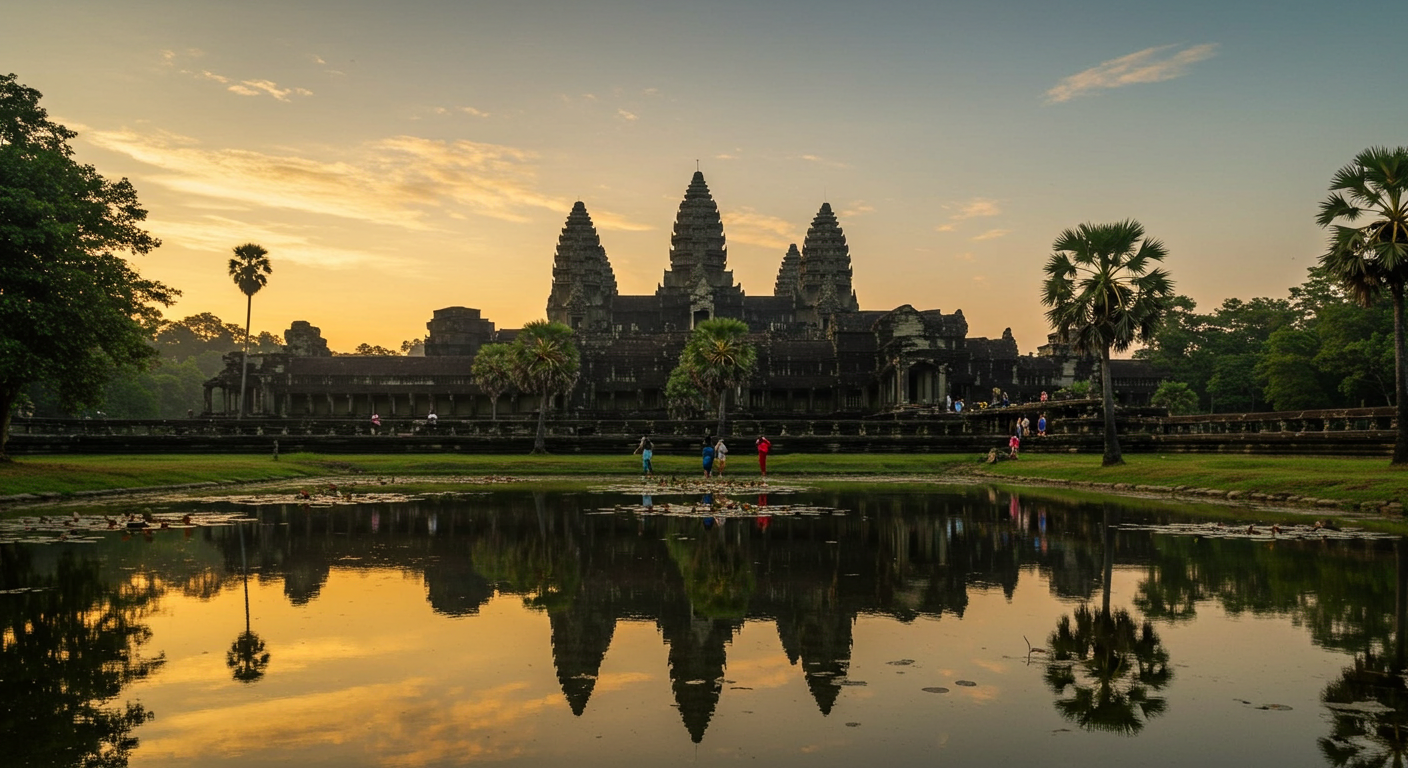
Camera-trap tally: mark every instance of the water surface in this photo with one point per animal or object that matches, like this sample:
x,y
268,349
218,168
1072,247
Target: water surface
x,y
534,628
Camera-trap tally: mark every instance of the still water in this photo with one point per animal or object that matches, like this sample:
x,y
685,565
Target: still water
x,y
965,626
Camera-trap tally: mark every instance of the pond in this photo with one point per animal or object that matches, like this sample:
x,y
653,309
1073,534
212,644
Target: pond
x,y
956,625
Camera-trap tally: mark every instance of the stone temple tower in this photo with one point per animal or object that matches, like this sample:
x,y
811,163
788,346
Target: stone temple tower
x,y
698,275
789,275
824,272
583,285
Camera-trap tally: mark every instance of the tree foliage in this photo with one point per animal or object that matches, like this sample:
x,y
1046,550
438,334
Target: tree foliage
x,y
717,358
1105,294
545,363
492,371
1369,259
72,310
1177,397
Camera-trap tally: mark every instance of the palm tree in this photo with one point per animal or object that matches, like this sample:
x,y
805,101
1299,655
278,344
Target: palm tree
x,y
545,363
719,358
1103,297
249,269
492,370
1112,666
1373,258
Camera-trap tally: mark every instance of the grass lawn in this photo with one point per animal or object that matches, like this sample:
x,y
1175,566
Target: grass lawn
x,y
1347,479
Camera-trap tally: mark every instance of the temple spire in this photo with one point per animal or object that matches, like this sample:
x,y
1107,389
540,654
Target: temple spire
x,y
789,274
697,243
825,269
583,283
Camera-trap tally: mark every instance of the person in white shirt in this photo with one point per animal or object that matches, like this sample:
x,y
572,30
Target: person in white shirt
x,y
720,457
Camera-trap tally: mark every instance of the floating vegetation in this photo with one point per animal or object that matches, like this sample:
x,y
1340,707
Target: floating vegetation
x,y
718,508
85,529
935,689
852,683
667,486
965,683
1319,531
900,662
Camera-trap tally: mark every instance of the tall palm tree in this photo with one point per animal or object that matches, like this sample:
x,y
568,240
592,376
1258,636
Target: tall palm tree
x,y
249,269
492,370
1103,297
545,363
719,358
1372,258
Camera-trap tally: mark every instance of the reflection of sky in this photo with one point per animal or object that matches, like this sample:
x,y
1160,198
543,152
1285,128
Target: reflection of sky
x,y
367,674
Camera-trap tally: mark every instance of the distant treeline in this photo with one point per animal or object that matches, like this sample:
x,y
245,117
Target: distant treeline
x,y
191,350
1314,349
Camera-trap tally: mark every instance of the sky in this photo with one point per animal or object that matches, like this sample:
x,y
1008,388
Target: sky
x,y
399,158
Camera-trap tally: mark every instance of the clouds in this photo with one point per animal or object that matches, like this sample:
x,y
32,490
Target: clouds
x,y
266,87
1151,65
745,225
252,87
973,208
396,181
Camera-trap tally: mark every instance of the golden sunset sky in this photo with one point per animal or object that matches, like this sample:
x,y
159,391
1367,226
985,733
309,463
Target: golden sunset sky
x,y
395,159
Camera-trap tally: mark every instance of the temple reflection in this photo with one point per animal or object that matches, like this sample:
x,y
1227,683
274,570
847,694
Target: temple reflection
x,y
906,556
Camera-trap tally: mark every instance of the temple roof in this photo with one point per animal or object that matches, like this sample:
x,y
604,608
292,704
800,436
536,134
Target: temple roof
x,y
580,259
825,266
698,239
789,273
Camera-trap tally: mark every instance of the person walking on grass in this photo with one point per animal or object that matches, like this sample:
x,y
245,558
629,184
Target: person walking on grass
x,y
646,449
708,456
720,457
1013,443
764,445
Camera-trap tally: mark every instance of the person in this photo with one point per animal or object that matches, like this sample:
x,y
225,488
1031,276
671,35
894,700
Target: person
x,y
1013,443
1044,396
432,418
764,445
646,449
958,405
1041,425
720,457
708,456
376,421
1005,401
1026,427
948,402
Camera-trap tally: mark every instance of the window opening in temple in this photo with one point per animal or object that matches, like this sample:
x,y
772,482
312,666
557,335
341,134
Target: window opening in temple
x,y
700,316
576,322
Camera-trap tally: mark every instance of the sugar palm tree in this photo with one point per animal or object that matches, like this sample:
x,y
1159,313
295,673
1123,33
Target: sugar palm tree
x,y
719,358
249,269
492,370
1371,258
545,363
1104,296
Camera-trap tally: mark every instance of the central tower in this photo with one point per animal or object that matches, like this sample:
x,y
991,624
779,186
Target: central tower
x,y
698,273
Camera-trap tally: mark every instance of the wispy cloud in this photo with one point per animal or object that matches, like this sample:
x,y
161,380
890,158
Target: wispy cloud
x,y
474,112
991,234
217,234
624,115
978,207
963,256
858,208
1151,65
819,160
608,221
745,225
267,87
395,181
946,228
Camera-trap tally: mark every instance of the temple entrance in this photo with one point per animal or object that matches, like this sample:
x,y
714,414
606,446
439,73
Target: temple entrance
x,y
700,315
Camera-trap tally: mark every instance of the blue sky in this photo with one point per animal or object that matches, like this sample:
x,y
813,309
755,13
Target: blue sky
x,y
399,159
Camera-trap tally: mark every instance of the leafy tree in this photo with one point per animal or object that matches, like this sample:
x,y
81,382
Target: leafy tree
x,y
249,269
683,399
492,371
546,364
1177,397
1288,370
374,349
1103,297
71,308
1372,258
413,348
719,358
1356,351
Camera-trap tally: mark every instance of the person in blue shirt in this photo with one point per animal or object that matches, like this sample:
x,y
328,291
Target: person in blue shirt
x,y
646,449
708,456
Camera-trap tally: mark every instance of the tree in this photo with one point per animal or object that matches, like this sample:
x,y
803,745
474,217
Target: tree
x,y
1103,297
683,400
72,310
249,269
374,349
492,371
546,364
1371,259
719,358
1177,397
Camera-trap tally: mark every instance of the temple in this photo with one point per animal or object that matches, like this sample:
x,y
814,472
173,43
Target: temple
x,y
819,353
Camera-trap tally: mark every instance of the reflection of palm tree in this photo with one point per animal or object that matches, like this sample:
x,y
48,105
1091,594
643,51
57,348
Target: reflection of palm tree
x,y
1369,702
246,657
1111,666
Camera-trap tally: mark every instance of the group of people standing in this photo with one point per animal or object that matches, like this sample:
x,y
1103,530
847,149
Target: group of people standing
x,y
1022,429
715,455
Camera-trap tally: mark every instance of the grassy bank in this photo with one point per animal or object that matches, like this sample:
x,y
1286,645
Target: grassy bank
x,y
1348,479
